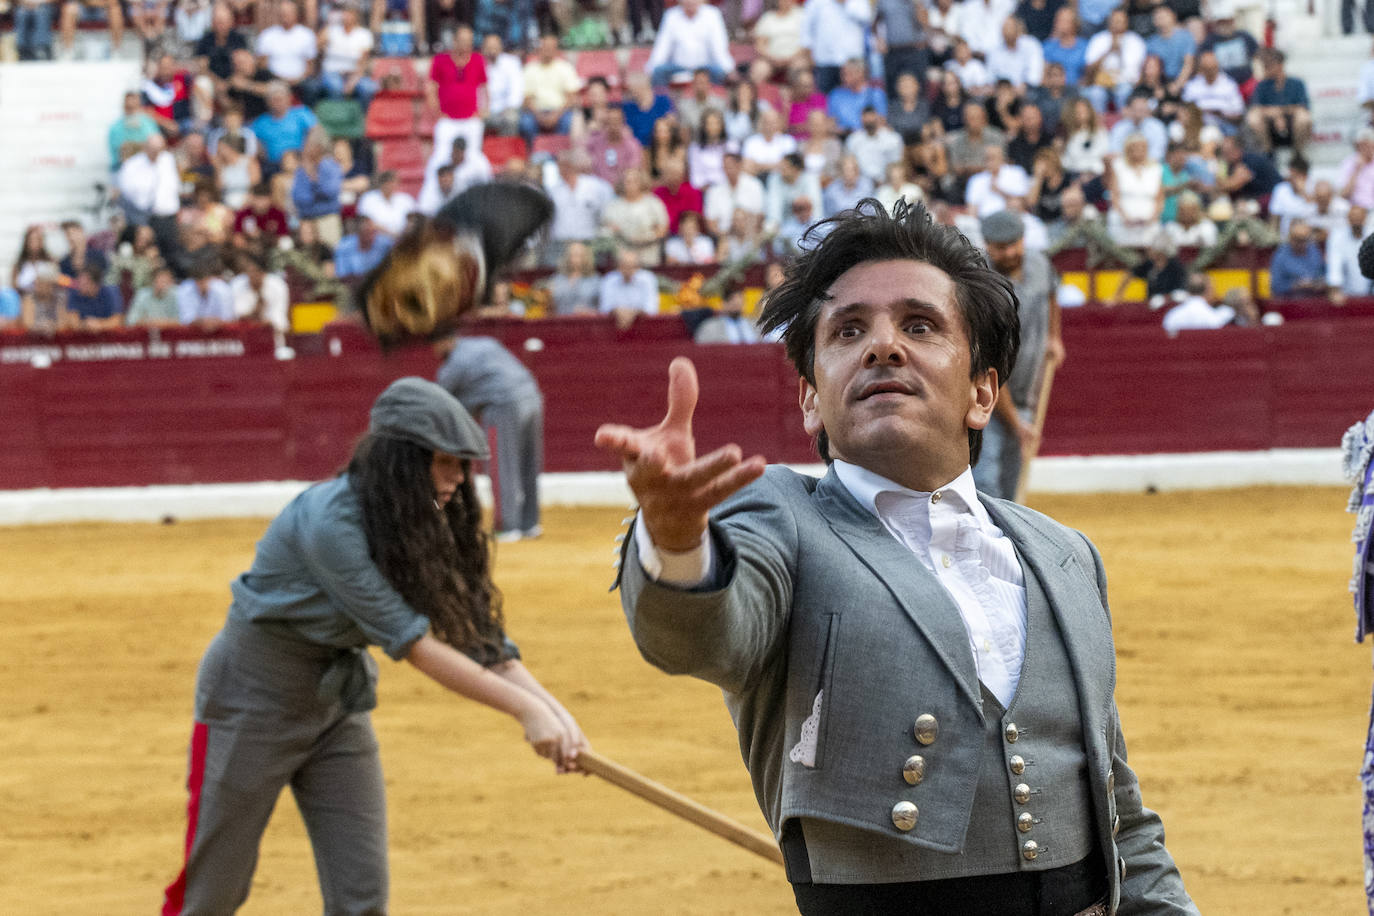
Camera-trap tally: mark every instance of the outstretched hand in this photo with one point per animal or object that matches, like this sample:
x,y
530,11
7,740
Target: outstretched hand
x,y
676,489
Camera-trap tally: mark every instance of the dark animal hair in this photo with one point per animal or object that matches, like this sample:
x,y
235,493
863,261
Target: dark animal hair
x,y
438,559
868,232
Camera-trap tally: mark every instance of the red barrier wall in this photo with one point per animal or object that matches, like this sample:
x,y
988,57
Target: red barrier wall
x,y
176,411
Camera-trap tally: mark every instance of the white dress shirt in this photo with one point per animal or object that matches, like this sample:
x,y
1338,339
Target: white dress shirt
x,y
640,292
1343,260
688,42
834,30
505,84
1023,64
288,51
1197,314
389,213
951,534
274,297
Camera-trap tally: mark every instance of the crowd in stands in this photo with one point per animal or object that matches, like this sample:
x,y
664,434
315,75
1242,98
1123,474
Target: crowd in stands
x,y
242,162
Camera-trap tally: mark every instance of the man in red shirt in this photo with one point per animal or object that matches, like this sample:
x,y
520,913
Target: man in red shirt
x,y
457,94
260,225
677,195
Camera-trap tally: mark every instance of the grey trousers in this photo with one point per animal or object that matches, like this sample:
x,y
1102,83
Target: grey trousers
x,y
262,725
999,463
519,427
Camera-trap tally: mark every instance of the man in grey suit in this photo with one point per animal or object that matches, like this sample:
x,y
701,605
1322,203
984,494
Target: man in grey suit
x,y
922,678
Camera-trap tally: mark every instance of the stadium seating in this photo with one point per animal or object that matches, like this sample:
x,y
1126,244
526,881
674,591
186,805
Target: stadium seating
x,y
500,150
401,67
390,117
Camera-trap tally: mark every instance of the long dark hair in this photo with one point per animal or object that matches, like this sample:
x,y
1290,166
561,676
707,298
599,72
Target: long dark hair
x,y
438,559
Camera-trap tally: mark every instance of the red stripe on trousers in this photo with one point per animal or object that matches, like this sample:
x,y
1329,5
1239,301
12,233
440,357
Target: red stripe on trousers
x,y
175,895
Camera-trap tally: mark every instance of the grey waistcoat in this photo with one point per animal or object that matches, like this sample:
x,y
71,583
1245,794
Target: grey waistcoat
x,y
1044,742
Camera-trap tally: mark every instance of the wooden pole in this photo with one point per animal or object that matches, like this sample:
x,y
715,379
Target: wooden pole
x,y
1042,405
679,804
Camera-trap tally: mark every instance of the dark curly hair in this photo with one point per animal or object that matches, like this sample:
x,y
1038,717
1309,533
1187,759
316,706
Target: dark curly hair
x,y
869,233
438,559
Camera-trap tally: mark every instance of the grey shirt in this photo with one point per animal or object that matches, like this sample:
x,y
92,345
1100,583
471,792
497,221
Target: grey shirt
x,y
903,28
480,373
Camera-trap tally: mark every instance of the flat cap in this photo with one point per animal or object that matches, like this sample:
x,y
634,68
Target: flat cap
x,y
421,412
1002,227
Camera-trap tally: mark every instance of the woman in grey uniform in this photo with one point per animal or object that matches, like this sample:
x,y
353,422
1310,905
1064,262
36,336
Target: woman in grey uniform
x,y
389,553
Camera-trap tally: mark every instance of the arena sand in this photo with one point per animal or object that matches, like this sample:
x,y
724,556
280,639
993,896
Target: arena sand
x,y
1243,696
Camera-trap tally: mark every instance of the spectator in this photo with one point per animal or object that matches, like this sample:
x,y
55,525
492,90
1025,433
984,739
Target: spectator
x,y
456,94
1029,139
1078,226
283,127
1065,46
738,191
1190,227
193,163
149,20
1355,176
743,112
506,19
1004,107
694,102
1249,176
505,87
465,169
260,224
821,150
1279,112
576,288
33,253
156,304
1215,94
834,32
248,85
1017,58
43,305
33,29
678,196
909,110
666,145
791,232
578,201
260,296
896,186
636,220
1328,210
551,84
361,250
1293,198
613,149
764,150
980,23
1137,119
1343,275
92,305
346,48
1162,271
166,96
1136,182
1173,45
357,168
287,48
729,325
778,39
948,107
968,147
644,16
643,107
1053,97
439,192
802,97
989,190
628,291
1298,267
942,25
1166,102
845,192
387,205
1048,182
847,102
789,182
970,71
875,146
150,191
79,253
689,246
1235,48
316,186
134,126
902,40
1195,312
194,248
745,243
692,36
136,259
235,172
1112,63
203,299
214,52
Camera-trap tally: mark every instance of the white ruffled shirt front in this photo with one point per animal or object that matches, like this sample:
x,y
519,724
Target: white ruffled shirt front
x,y
950,532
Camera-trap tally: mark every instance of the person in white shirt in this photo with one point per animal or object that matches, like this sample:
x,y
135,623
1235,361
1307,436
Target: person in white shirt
x,y
1113,61
505,87
578,201
988,190
729,325
972,73
833,32
1190,227
980,23
1196,313
691,37
778,38
788,183
739,191
387,205
467,169
1215,94
875,145
689,246
1343,276
628,291
347,48
287,48
1292,199
1017,58
149,185
764,150
260,295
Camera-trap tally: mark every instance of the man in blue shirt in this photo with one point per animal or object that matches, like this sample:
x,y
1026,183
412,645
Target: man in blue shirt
x,y
283,126
204,299
643,106
1279,110
847,101
1298,267
1174,46
94,305
361,250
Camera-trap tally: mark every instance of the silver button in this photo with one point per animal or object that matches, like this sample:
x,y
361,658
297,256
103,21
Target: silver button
x,y
1024,822
936,496
1029,850
927,729
1012,733
914,770
1111,781
904,815
1017,764
1021,793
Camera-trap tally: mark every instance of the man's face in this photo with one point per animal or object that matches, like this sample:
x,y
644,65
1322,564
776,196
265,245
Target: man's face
x,y
1299,235
445,179
1356,218
615,122
289,15
690,7
242,58
86,286
1006,257
1164,19
892,389
853,76
1117,22
975,118
491,46
870,122
1207,65
278,101
1054,76
462,40
732,168
548,48
130,103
